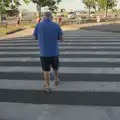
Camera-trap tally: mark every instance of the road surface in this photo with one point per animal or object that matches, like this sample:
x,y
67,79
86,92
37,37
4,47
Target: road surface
x,y
90,75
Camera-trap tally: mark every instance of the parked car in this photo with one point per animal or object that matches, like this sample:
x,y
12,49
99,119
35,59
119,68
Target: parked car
x,y
71,15
92,15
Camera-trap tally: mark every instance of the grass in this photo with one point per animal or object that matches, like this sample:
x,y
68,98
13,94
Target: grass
x,y
4,31
13,27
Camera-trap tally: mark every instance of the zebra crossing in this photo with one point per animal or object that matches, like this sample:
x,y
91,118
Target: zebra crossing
x,y
90,75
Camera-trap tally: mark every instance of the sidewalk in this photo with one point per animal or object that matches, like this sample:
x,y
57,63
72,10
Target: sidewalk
x,y
22,33
29,31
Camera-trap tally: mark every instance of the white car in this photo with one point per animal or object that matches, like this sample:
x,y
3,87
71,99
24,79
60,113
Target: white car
x,y
92,15
71,15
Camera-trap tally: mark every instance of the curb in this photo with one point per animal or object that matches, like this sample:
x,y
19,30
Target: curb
x,y
14,31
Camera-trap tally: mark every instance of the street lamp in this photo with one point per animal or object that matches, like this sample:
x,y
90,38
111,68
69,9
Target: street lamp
x,y
106,9
39,10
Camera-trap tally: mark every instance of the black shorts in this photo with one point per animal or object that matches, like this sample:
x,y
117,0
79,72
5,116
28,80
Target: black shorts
x,y
47,62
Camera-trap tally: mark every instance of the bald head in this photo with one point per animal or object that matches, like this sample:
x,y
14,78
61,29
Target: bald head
x,y
47,15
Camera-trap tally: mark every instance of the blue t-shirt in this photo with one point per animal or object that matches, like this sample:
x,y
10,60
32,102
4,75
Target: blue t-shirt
x,y
48,34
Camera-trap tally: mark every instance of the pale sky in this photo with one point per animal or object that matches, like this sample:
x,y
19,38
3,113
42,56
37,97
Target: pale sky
x,y
67,4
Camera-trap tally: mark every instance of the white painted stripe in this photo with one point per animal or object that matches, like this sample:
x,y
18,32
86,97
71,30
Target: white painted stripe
x,y
67,70
17,38
26,37
17,41
93,39
64,86
87,35
90,43
19,47
19,53
64,53
70,40
37,59
18,44
70,43
91,52
91,34
89,47
79,36
25,111
66,47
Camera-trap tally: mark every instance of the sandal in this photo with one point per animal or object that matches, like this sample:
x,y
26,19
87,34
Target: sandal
x,y
57,82
48,90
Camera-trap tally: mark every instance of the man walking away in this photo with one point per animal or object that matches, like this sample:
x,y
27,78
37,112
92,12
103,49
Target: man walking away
x,y
48,33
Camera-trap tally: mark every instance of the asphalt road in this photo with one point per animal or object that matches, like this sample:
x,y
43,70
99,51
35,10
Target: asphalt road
x,y
89,73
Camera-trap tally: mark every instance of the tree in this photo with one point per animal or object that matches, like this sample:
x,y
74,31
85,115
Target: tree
x,y
11,4
106,5
14,4
101,5
110,4
51,4
94,5
89,4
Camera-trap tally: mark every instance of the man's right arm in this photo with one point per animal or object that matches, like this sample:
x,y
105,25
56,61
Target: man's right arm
x,y
35,33
61,38
61,34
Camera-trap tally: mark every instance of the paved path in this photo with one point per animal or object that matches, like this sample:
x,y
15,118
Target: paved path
x,y
90,74
22,33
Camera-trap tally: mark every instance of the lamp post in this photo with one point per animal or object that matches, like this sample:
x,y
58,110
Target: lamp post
x,y
106,10
0,17
39,11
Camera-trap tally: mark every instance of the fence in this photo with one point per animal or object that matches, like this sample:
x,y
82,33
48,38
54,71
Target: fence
x,y
74,21
83,21
26,21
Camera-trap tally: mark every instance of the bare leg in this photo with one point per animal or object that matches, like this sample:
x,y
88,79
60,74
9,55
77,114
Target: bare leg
x,y
47,79
56,77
